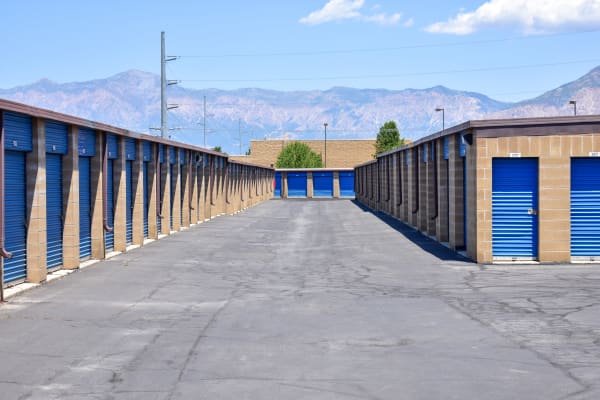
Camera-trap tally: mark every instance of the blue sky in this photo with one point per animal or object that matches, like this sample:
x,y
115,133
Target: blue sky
x,y
507,49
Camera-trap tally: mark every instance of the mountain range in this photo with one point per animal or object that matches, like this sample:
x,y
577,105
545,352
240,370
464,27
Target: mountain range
x,y
131,100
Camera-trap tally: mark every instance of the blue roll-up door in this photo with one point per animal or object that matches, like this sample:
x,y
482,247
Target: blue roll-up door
x,y
54,211
87,142
322,184
85,208
172,194
15,218
17,132
56,137
147,151
145,197
129,201
130,149
346,183
585,208
109,237
514,208
296,184
113,146
277,192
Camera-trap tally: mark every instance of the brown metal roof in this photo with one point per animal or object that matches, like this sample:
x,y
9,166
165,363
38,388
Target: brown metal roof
x,y
8,105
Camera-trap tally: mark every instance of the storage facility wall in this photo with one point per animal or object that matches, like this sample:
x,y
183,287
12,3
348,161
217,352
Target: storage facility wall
x,y
55,158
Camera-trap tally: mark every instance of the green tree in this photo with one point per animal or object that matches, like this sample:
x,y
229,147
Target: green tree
x,y
388,138
218,149
298,155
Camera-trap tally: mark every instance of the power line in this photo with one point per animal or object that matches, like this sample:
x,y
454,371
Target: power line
x,y
387,49
406,74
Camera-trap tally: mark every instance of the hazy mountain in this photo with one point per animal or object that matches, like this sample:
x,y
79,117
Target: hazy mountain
x,y
132,100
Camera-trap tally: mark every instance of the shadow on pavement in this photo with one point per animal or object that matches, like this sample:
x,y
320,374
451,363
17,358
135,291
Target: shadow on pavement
x,y
427,244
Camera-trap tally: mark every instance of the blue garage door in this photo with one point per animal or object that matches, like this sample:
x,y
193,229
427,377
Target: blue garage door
x,y
85,208
109,237
15,268
322,184
347,184
277,192
145,196
514,208
585,208
296,184
54,210
129,201
173,187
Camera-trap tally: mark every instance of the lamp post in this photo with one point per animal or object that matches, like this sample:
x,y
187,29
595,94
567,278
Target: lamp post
x,y
443,118
574,103
325,125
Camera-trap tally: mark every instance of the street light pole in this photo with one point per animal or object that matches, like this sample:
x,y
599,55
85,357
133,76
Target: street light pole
x,y
443,118
325,125
574,103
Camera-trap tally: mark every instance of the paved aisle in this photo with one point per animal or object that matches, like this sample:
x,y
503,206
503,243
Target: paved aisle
x,y
303,300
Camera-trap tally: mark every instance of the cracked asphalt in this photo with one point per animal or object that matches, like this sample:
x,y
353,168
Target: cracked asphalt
x,y
304,300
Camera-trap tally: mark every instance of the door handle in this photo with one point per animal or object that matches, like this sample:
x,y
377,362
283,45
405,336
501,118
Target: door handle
x,y
531,211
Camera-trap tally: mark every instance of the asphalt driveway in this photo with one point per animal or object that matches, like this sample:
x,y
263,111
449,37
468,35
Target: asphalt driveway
x,y
304,300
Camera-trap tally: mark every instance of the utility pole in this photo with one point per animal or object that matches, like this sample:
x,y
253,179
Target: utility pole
x,y
163,88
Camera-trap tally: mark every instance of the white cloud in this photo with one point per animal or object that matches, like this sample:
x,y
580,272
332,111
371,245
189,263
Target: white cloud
x,y
339,10
532,16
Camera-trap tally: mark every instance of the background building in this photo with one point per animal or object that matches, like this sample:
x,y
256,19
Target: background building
x,y
340,153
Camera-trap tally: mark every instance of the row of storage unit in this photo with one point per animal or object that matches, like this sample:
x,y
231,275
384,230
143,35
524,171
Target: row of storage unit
x,y
500,190
74,190
314,183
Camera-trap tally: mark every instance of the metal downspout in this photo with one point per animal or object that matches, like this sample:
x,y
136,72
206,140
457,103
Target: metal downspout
x,y
400,171
435,181
416,179
3,252
105,187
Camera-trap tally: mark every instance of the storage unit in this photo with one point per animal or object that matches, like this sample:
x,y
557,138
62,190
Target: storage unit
x,y
173,173
277,192
54,211
147,158
322,184
113,153
56,147
297,182
514,208
585,209
17,142
87,149
130,156
128,202
346,183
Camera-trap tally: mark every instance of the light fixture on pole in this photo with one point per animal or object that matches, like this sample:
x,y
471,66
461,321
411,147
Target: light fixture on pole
x,y
325,125
574,104
443,118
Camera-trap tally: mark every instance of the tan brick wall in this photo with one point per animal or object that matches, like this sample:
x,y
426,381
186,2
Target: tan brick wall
x,y
554,162
340,153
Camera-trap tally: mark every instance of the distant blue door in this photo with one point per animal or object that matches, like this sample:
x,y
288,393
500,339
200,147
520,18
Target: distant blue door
x,y
15,268
296,184
585,207
322,184
277,192
85,208
514,208
54,211
109,237
346,184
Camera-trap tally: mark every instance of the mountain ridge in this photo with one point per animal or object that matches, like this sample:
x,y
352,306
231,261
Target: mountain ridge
x,y
131,100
